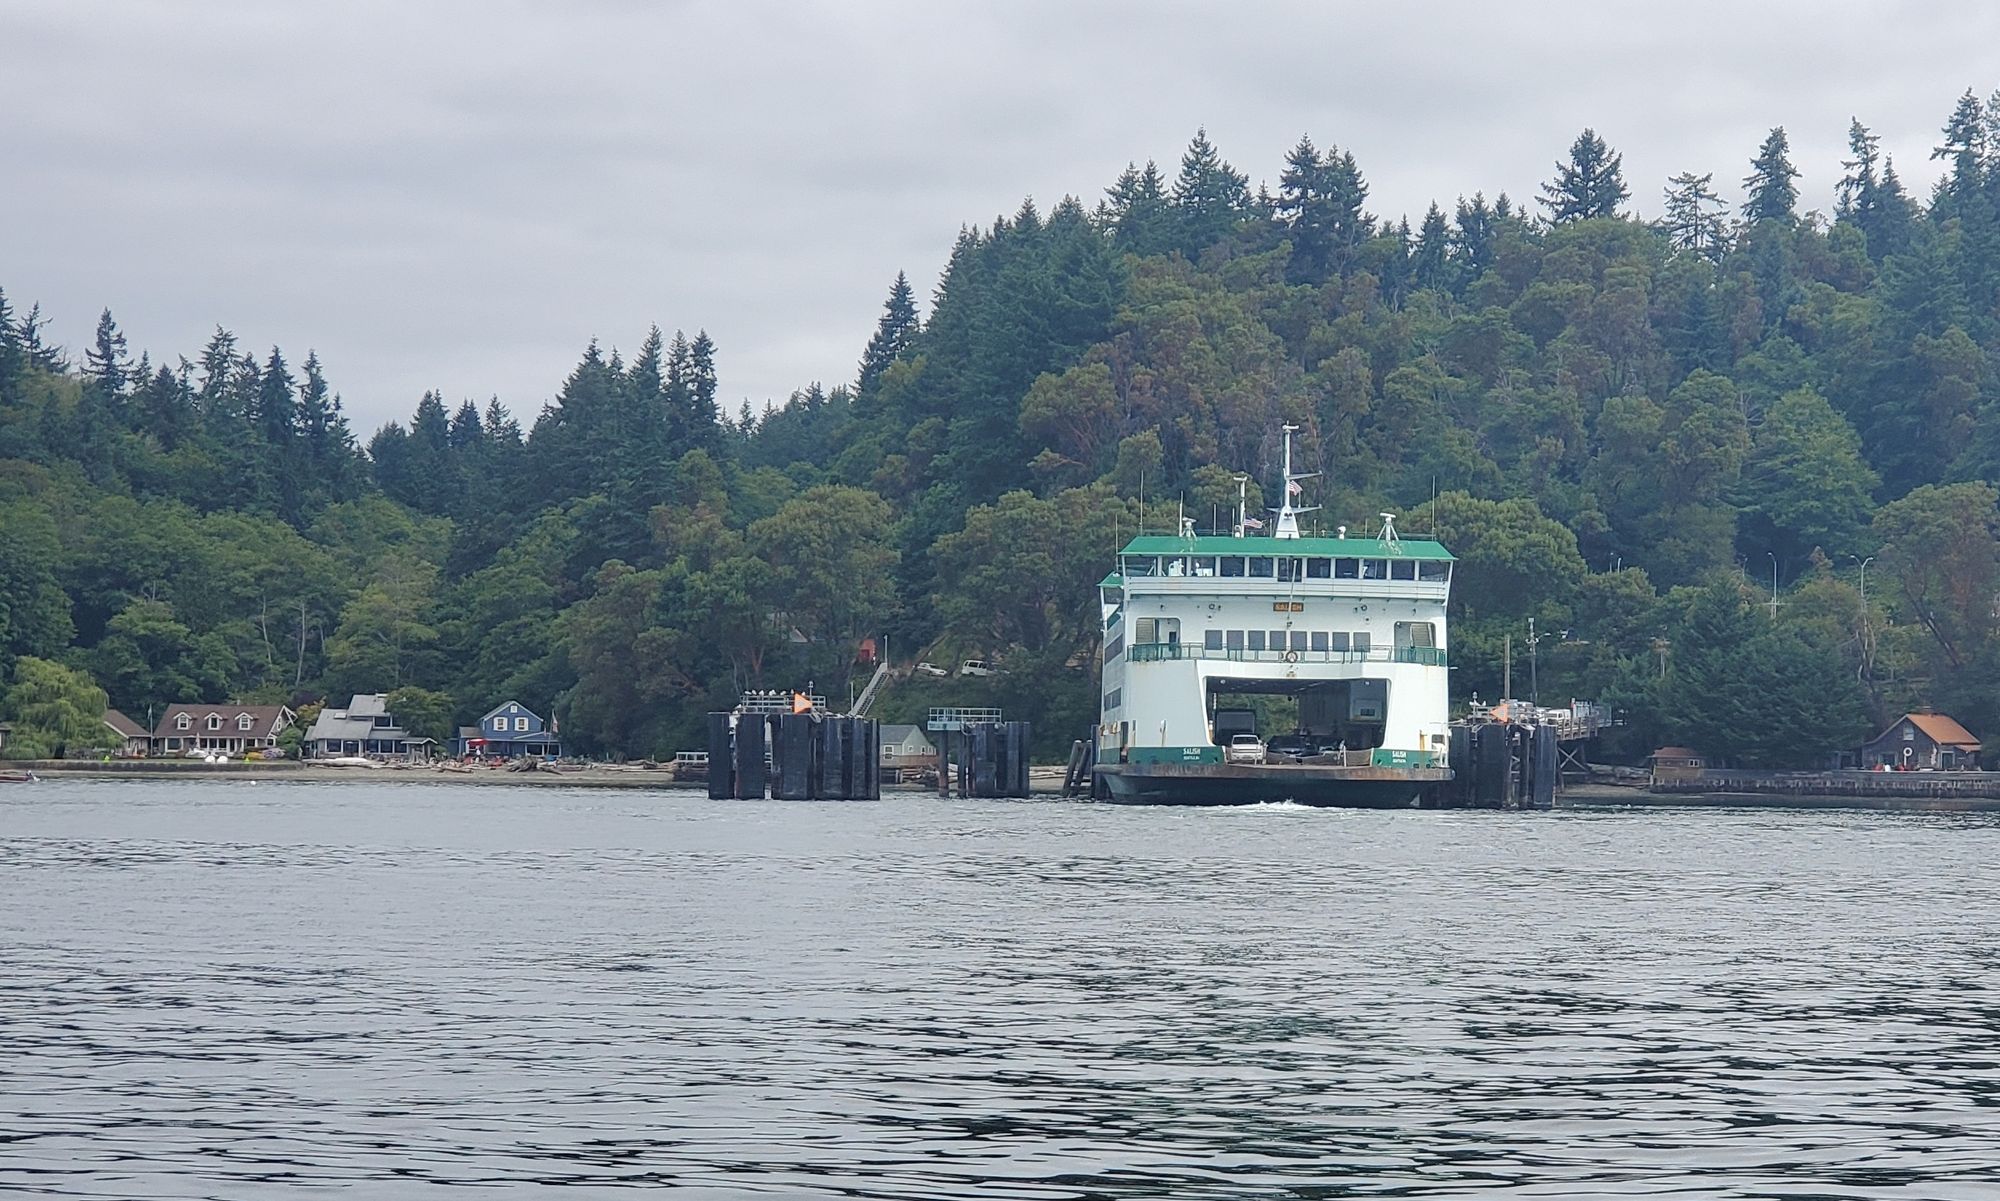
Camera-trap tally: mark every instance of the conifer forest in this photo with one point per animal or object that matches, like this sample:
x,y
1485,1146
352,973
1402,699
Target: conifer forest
x,y
1740,463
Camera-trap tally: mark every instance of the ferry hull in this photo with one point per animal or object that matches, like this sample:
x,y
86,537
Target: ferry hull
x,y
1246,784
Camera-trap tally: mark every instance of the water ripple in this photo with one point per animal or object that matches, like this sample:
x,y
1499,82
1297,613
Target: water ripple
x,y
217,991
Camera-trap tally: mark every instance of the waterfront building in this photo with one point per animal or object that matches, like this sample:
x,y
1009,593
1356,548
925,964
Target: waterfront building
x,y
1917,741
508,732
135,740
228,729
364,728
907,747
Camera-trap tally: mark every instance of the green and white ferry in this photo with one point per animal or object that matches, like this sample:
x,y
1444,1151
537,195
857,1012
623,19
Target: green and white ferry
x,y
1341,639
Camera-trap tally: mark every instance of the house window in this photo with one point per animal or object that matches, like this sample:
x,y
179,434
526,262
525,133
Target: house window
x,y
182,722
1909,735
214,722
242,721
520,723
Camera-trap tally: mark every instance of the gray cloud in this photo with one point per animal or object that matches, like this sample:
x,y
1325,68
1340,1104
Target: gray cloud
x,y
460,195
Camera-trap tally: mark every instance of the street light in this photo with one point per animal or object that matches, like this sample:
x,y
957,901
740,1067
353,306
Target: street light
x,y
1864,581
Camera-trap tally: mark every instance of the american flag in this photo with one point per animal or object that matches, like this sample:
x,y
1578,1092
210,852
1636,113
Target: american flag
x,y
1292,486
1251,523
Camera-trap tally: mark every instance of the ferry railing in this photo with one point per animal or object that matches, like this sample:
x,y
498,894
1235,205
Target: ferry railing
x,y
1157,652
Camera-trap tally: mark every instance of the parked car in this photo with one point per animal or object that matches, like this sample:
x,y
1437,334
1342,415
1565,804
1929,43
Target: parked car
x,y
1246,748
975,667
1295,746
932,669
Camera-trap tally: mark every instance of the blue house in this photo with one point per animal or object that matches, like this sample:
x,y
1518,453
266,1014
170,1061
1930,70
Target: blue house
x,y
509,732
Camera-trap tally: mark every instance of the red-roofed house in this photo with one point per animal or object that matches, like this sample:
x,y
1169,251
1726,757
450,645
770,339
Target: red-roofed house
x,y
1923,740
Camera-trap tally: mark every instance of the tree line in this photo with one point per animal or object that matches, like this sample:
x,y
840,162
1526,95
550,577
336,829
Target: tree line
x,y
1680,445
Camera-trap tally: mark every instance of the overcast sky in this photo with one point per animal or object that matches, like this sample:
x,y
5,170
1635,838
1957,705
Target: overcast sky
x,y
461,195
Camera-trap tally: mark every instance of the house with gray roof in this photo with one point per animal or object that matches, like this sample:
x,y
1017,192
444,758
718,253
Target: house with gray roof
x,y
508,732
364,729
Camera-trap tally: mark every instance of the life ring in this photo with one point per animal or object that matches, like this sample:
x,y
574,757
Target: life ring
x,y
1291,656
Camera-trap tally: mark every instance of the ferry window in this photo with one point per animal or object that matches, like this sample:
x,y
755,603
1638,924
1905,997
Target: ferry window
x,y
1347,569
1233,639
1114,698
1363,640
1277,640
1416,633
1145,633
1232,565
1142,565
1114,648
1177,567
1340,640
1291,569
1319,640
1211,640
1434,571
1402,569
1299,640
1256,640
1204,564
1374,569
1319,569
1262,567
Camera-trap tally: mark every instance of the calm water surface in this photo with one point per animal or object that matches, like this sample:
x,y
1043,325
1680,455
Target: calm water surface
x,y
386,990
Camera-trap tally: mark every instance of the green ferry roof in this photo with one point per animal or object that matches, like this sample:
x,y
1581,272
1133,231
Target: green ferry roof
x,y
1114,580
1344,548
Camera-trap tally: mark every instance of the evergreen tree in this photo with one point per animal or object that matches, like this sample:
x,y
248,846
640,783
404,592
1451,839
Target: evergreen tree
x,y
1430,261
1211,197
1591,184
1142,221
38,353
1321,197
1475,234
1693,220
1772,195
1964,148
11,355
275,414
1855,197
106,363
895,334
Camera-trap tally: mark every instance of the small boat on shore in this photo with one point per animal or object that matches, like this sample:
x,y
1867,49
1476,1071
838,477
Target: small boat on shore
x,y
18,777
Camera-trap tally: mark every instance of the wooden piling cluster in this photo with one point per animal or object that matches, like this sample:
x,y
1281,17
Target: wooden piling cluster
x,y
810,757
1502,765
985,759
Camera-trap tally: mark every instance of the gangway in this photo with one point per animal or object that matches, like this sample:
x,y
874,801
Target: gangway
x,y
866,700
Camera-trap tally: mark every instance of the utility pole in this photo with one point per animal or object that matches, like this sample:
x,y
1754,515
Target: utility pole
x,y
1534,677
1506,668
1774,583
